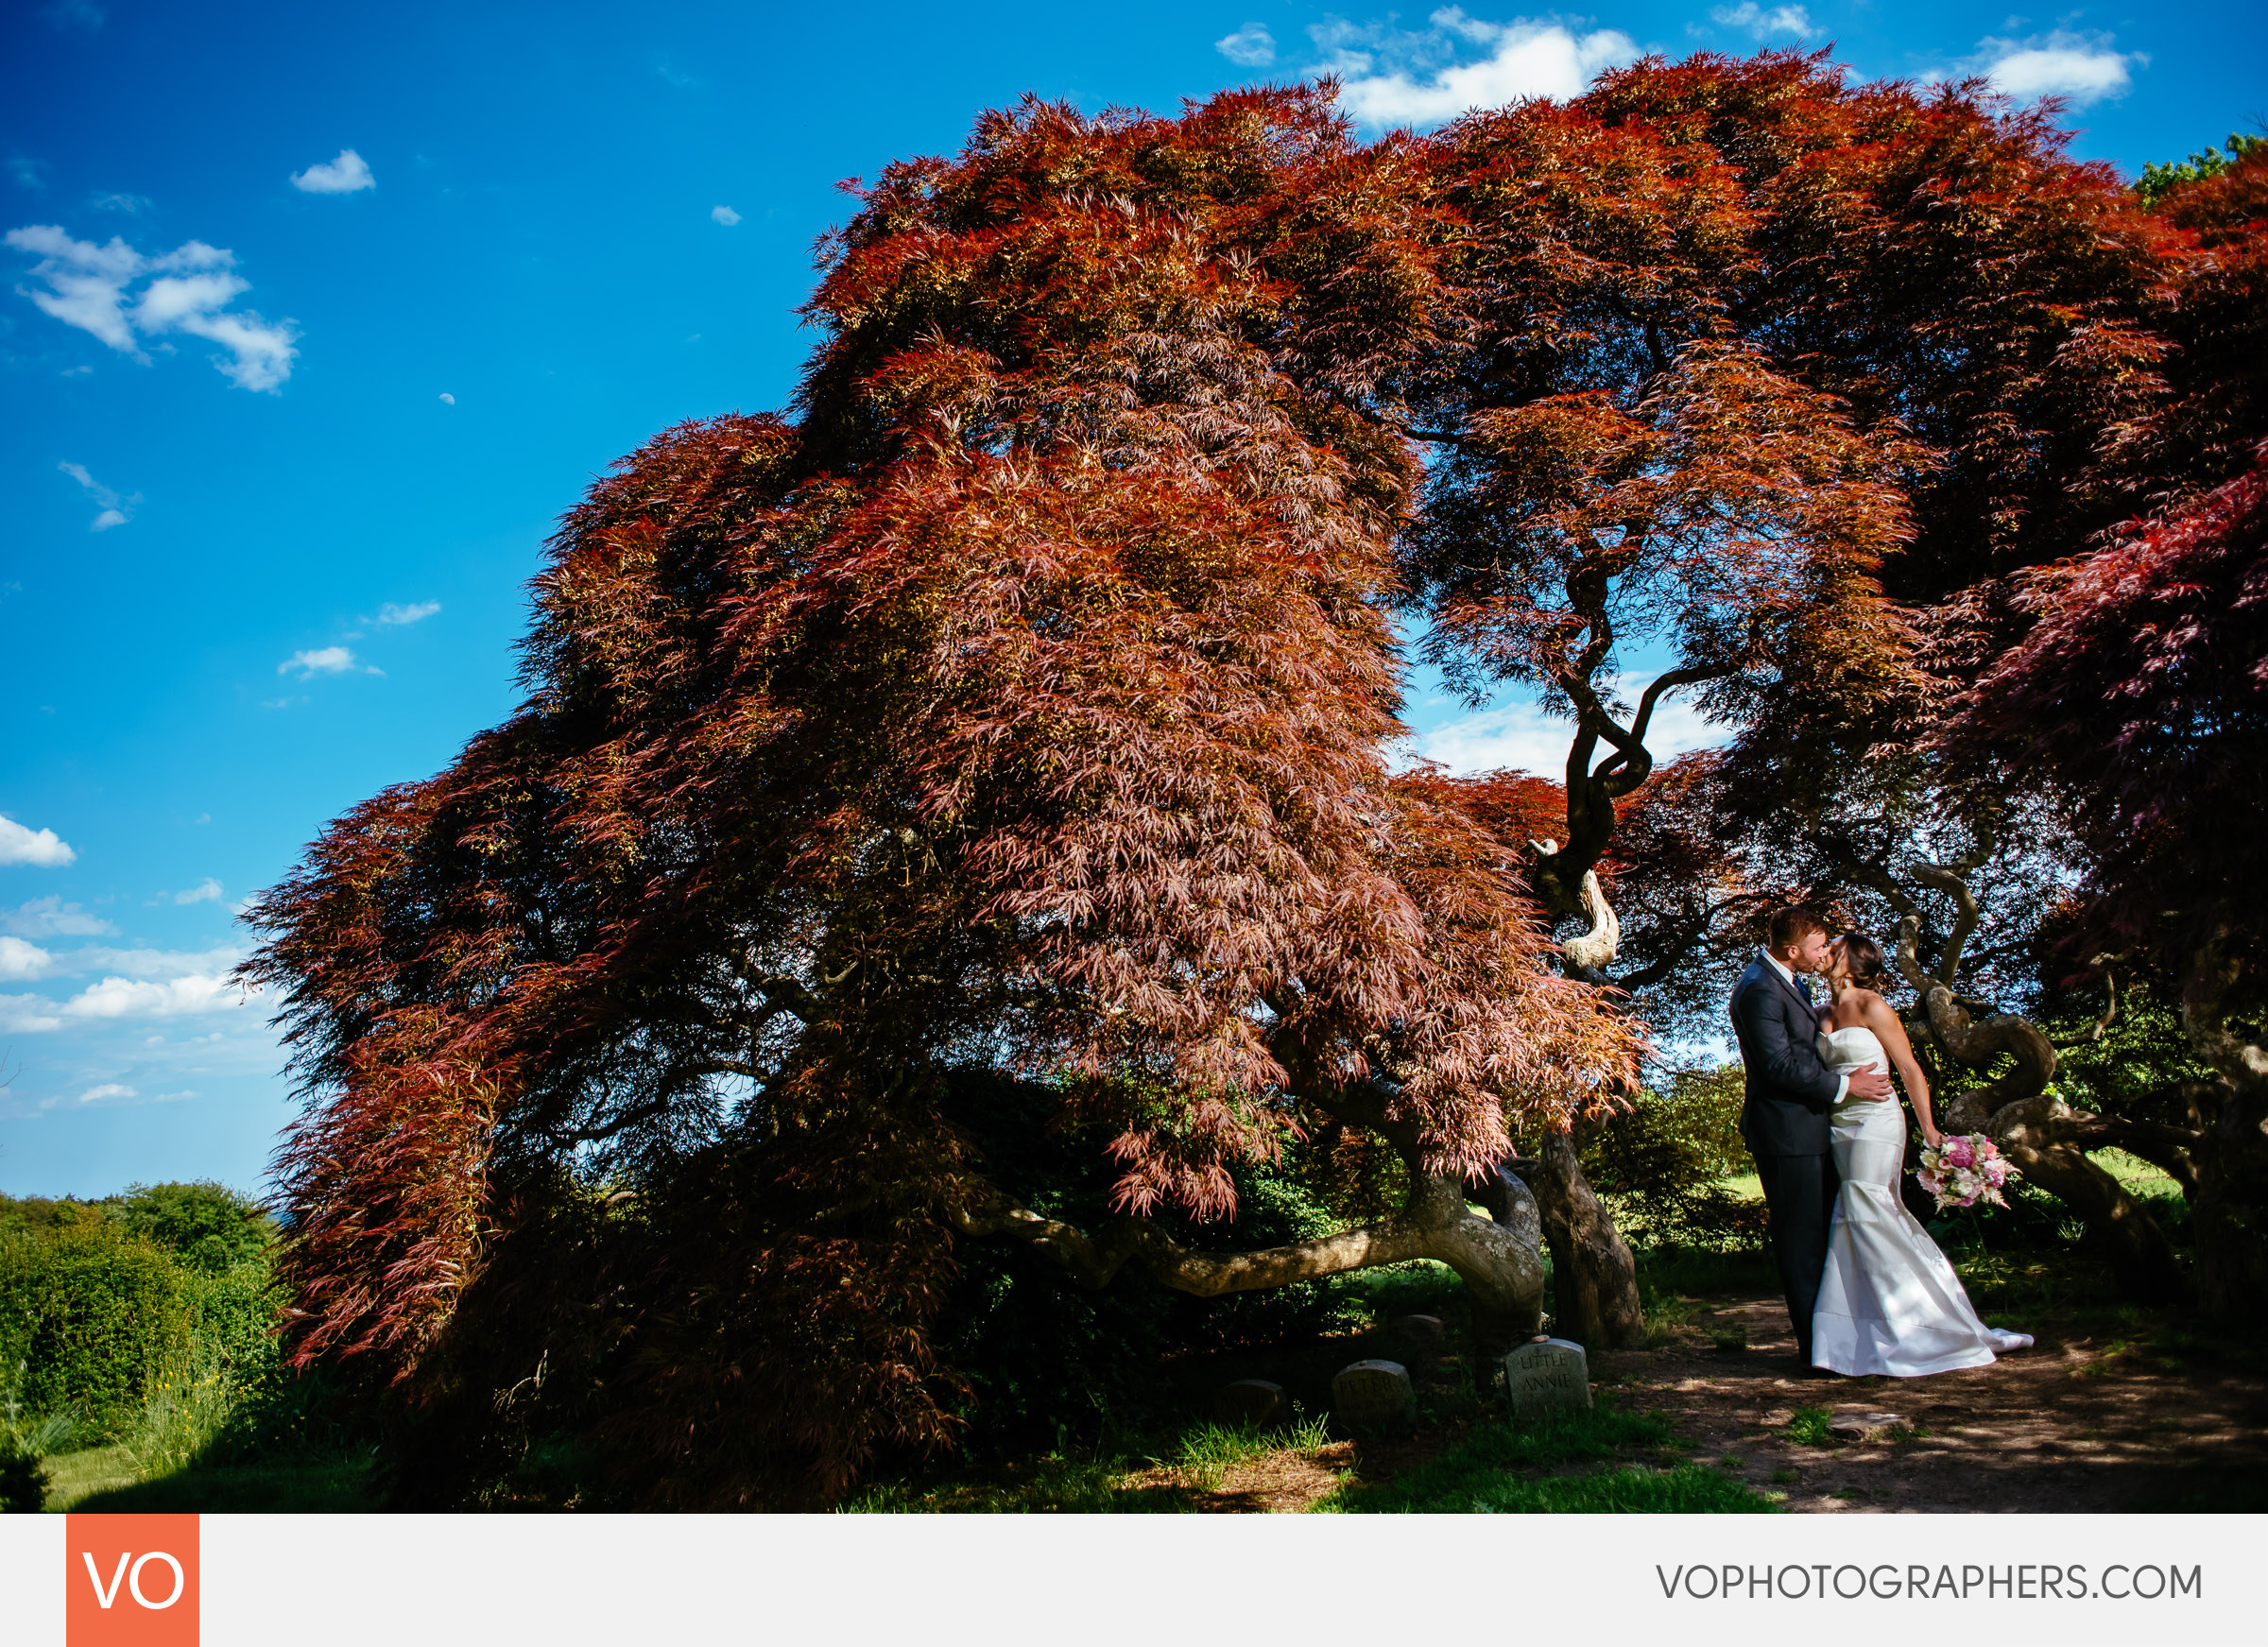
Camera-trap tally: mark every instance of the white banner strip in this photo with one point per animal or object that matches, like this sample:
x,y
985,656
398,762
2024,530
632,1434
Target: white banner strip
x,y
1850,1579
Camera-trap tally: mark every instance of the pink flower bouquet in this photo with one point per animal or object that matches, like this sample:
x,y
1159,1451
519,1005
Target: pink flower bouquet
x,y
1963,1170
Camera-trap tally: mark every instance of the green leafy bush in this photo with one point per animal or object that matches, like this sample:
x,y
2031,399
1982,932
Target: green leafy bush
x,y
96,1318
1660,1166
23,1480
208,1226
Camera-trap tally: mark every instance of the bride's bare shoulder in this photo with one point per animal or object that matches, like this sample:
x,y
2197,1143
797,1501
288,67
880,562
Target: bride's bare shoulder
x,y
1873,1009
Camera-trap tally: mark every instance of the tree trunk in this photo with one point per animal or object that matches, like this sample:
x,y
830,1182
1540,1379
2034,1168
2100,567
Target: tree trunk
x,y
2229,1211
1594,1277
2231,1207
1501,1270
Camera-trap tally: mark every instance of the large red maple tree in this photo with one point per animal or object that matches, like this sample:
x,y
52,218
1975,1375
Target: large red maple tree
x,y
1025,704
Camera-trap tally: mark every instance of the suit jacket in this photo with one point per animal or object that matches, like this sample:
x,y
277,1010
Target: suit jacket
x,y
1789,1091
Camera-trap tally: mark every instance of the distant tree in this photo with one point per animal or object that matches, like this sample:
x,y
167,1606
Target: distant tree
x,y
2160,178
207,1224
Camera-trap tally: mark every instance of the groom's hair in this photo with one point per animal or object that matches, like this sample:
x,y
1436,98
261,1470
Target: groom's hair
x,y
1793,925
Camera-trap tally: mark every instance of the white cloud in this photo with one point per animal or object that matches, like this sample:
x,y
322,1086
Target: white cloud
x,y
1252,46
2079,68
205,891
153,963
40,849
1393,76
1763,24
189,290
448,399
132,205
20,962
416,612
25,171
140,998
28,1015
53,918
1522,737
86,283
107,1089
325,660
342,176
112,509
724,215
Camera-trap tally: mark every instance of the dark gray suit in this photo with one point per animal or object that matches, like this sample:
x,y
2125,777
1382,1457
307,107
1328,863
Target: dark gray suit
x,y
1785,1120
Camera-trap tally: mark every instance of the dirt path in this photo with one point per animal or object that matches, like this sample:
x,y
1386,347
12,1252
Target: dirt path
x,y
2077,1423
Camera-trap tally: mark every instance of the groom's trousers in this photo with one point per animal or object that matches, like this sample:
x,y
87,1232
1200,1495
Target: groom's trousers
x,y
1800,1194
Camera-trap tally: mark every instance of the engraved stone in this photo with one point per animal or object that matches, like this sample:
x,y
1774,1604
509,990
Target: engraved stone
x,y
1253,1401
1546,1375
1374,1394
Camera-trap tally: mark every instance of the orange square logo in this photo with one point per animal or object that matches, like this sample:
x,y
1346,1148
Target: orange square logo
x,y
131,1581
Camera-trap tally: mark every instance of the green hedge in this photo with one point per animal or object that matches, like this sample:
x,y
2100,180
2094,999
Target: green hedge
x,y
96,1318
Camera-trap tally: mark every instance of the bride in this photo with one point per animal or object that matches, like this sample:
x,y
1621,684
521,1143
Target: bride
x,y
1889,1302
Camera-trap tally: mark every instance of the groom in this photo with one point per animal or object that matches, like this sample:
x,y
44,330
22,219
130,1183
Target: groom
x,y
1790,1093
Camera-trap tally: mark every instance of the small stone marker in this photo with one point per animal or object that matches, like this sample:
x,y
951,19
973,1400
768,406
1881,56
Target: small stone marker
x,y
1253,1401
1374,1394
1419,1334
1546,1375
1865,1426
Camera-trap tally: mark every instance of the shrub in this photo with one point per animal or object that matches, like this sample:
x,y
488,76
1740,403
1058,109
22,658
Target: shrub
x,y
208,1226
1659,1166
23,1480
43,1213
95,1319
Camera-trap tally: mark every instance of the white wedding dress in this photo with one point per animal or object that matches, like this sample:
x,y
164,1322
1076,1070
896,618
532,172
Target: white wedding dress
x,y
1889,1303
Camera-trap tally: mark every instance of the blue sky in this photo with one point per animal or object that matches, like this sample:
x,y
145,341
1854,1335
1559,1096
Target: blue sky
x,y
314,320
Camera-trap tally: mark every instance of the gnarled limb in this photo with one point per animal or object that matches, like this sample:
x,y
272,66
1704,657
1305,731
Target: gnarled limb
x,y
2168,1148
1594,1279
2041,1134
1504,1273
2101,1027
1968,1042
1595,950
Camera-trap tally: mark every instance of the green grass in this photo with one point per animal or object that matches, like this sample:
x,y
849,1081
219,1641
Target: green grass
x,y
72,1476
1808,1427
1207,1453
1109,1481
1052,1485
333,1487
1507,1468
111,1480
1686,1490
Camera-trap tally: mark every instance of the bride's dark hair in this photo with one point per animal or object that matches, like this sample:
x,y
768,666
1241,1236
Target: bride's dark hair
x,y
1865,959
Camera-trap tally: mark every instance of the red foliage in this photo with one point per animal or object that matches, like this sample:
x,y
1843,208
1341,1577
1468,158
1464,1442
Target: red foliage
x,y
2215,311
2141,694
1027,702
